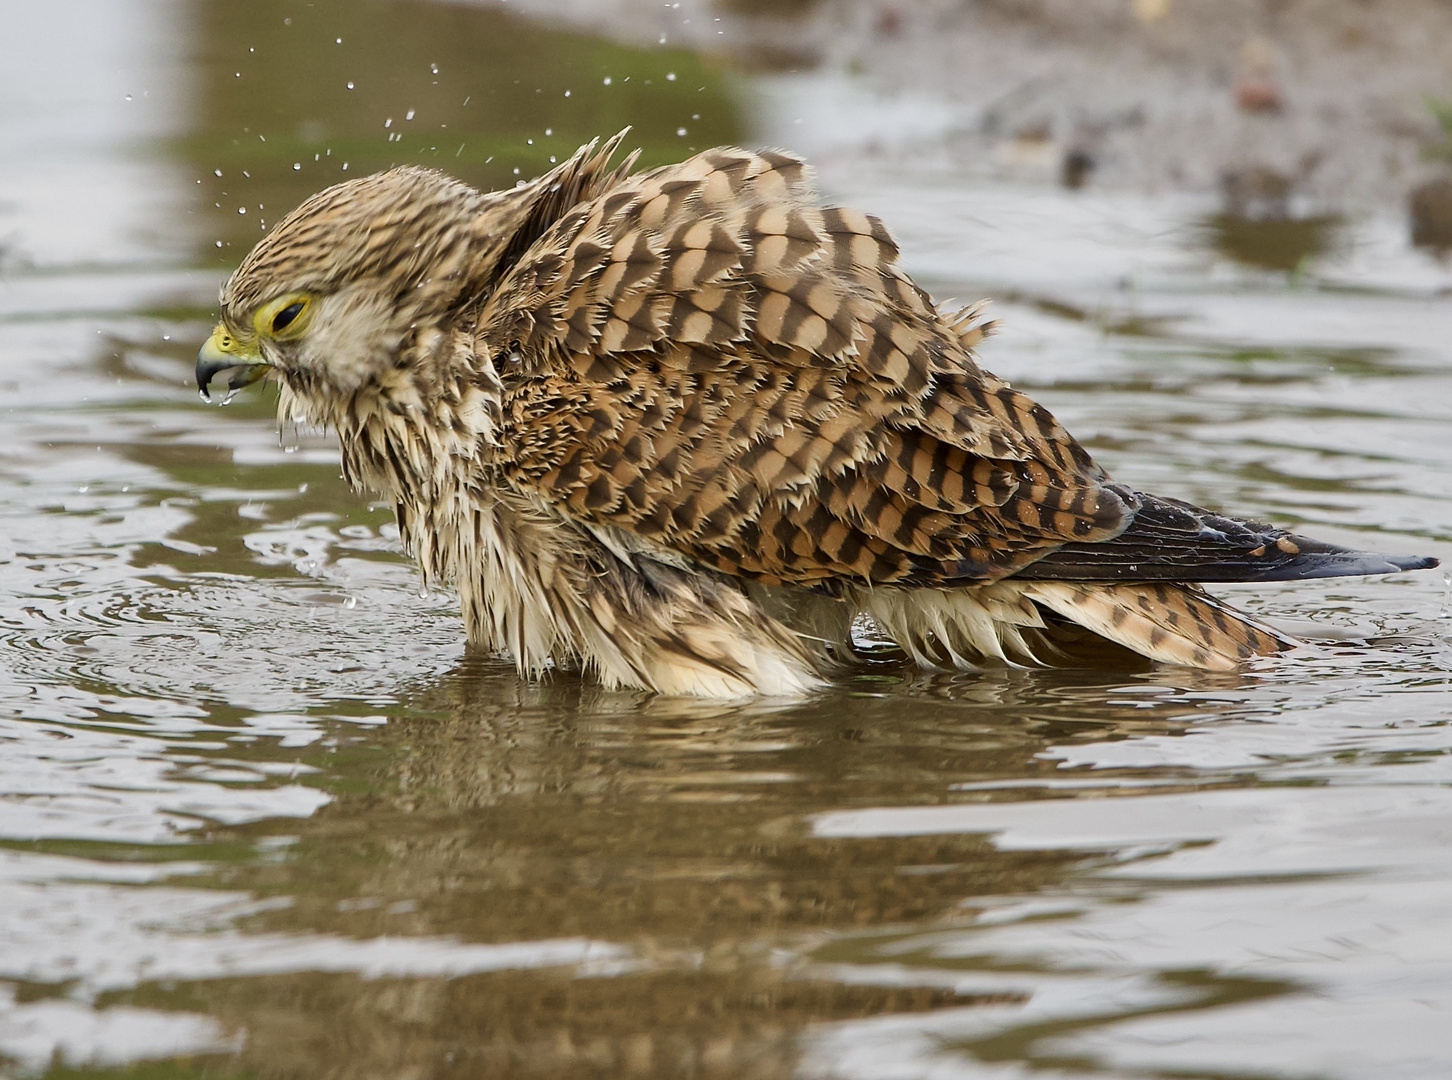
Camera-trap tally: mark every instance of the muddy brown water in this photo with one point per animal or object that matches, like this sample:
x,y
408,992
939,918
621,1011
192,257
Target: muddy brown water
x,y
261,817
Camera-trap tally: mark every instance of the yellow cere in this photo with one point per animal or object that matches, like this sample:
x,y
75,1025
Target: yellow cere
x,y
224,343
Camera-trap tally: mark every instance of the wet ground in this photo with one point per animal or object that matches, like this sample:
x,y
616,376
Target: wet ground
x,y
261,817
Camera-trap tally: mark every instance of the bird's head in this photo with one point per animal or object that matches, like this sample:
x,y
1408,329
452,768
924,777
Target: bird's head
x,y
359,280
332,297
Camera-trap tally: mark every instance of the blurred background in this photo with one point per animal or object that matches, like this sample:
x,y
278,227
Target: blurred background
x,y
260,814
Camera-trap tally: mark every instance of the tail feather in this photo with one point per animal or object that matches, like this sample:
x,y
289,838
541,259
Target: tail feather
x,y
1174,624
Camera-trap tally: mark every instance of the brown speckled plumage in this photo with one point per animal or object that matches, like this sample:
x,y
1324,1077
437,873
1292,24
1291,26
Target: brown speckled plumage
x,y
682,426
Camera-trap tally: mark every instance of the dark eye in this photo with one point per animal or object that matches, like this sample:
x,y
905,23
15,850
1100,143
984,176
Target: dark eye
x,y
284,318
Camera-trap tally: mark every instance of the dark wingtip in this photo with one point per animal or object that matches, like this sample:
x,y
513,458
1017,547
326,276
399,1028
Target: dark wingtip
x,y
1169,540
1343,563
1413,562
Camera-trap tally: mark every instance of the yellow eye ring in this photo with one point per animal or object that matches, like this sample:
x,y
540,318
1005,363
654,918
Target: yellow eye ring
x,y
286,317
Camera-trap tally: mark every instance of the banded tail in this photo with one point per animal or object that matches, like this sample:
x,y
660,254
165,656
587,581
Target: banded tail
x,y
1173,624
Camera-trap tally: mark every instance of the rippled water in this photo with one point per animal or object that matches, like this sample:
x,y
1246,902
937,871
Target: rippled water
x,y
259,815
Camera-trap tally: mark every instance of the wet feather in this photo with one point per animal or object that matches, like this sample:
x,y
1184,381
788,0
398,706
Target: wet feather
x,y
681,427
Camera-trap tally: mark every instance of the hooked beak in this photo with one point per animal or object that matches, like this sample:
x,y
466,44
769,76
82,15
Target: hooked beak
x,y
223,352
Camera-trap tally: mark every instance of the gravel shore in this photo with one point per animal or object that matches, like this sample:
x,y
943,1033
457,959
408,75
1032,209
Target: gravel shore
x,y
1285,106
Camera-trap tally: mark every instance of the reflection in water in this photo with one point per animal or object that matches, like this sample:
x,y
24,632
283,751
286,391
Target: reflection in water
x,y
499,813
260,816
1279,243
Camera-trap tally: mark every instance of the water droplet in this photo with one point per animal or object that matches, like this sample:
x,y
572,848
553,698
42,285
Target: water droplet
x,y
337,41
84,488
549,131
408,115
216,172
297,166
350,603
350,84
128,97
567,93
670,75
241,209
230,395
681,132
608,80
219,243
388,123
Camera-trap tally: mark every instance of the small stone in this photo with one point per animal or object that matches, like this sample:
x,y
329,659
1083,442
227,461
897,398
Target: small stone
x,y
1430,208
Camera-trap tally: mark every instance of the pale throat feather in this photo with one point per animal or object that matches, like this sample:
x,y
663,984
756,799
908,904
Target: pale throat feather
x,y
423,436
421,433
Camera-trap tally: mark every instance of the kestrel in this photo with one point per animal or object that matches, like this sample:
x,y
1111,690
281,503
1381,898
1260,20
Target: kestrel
x,y
681,427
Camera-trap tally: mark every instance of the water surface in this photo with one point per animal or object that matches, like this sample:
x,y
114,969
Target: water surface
x,y
261,816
